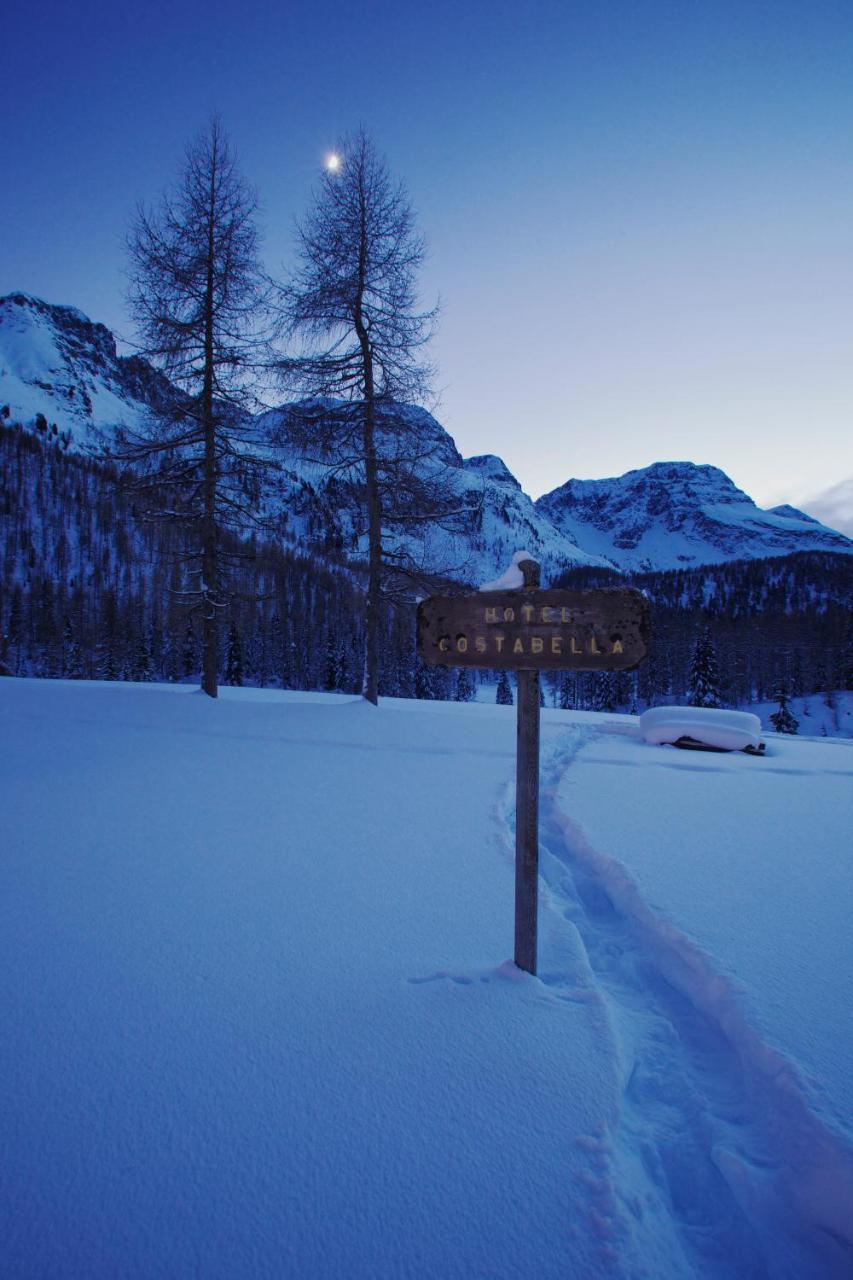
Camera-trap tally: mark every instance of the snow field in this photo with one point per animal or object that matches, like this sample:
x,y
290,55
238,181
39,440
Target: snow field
x,y
728,908
259,1018
232,1040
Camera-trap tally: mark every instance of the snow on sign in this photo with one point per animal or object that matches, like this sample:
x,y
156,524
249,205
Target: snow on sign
x,y
605,630
512,623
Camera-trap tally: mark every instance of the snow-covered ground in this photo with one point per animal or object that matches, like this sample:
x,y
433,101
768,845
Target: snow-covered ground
x,y
259,1019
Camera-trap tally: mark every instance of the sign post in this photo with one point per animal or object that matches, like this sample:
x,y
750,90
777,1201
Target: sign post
x,y
532,631
527,804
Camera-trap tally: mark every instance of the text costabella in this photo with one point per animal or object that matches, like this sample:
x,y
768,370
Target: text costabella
x,y
539,630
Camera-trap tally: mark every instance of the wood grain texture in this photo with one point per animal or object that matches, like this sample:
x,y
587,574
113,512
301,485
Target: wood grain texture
x,y
536,630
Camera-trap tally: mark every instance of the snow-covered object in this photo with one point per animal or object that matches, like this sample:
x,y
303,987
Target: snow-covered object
x,y
512,579
673,515
715,727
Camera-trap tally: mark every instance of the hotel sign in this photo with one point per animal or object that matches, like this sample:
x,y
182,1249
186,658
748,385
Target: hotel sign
x,y
536,630
532,630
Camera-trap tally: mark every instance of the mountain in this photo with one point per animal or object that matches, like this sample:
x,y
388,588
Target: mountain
x,y
62,377
320,493
61,374
676,515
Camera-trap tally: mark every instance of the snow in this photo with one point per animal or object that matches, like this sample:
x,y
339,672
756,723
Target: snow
x,y
512,578
716,727
259,1019
675,514
738,873
39,373
816,716
668,515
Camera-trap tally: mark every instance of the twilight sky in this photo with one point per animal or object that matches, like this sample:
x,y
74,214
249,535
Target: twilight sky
x,y
639,214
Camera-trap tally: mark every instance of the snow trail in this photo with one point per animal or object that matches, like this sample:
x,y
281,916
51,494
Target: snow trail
x,y
714,1133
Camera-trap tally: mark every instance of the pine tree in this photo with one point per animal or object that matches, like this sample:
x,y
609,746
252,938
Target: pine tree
x,y
72,665
783,720
464,691
424,681
13,640
108,666
189,653
603,697
704,679
234,659
333,670
143,665
503,693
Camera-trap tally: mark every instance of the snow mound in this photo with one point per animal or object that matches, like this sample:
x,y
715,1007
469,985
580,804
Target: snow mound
x,y
714,727
512,579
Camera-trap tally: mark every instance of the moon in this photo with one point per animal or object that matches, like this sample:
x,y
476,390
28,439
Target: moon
x,y
333,162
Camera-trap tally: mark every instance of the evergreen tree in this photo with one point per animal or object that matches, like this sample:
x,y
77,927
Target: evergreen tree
x,y
333,672
189,653
234,659
13,641
783,720
72,666
424,681
464,691
503,693
600,693
144,665
108,665
704,679
260,655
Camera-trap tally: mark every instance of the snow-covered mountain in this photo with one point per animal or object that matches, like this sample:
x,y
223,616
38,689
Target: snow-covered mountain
x,y
61,375
323,504
675,515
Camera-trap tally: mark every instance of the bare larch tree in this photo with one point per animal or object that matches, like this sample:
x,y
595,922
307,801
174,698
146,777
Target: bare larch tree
x,y
353,303
197,294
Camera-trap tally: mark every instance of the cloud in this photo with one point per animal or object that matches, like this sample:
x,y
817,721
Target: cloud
x,y
834,506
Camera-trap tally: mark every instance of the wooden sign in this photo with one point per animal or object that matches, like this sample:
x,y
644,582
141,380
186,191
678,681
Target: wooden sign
x,y
601,630
533,630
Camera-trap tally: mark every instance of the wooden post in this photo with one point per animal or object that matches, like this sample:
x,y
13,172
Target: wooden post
x,y
556,630
527,805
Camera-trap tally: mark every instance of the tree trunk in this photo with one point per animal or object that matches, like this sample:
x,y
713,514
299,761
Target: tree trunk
x,y
370,684
209,539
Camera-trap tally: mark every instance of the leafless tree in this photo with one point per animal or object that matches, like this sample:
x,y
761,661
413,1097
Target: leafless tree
x,y
353,302
197,292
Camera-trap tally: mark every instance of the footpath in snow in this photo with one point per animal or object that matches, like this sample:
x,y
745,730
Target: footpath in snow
x,y
259,1020
714,911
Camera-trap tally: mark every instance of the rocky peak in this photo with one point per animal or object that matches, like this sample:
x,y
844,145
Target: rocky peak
x,y
491,467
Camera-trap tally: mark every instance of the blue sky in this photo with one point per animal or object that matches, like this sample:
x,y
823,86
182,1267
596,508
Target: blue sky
x,y
639,215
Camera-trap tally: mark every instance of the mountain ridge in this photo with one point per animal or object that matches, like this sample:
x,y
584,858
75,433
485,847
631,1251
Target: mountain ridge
x,y
61,374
